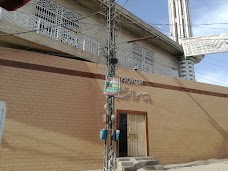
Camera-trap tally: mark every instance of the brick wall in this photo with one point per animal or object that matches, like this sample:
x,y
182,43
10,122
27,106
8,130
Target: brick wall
x,y
54,114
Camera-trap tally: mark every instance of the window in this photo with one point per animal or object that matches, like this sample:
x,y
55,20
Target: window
x,y
175,72
143,58
2,118
57,22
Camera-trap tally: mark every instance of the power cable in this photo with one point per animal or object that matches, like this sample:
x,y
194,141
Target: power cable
x,y
215,64
97,24
24,32
17,33
171,24
193,25
210,76
133,4
217,83
215,59
93,24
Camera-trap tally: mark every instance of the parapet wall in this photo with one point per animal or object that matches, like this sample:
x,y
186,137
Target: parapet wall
x,y
55,107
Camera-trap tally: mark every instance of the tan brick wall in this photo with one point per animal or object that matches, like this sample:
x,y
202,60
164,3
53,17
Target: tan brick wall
x,y
182,126
53,120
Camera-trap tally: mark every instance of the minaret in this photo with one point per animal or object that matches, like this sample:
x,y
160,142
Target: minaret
x,y
180,27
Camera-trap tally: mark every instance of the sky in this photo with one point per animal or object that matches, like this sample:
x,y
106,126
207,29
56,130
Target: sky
x,y
213,69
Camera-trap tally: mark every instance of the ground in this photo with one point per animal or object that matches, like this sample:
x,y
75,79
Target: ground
x,y
209,165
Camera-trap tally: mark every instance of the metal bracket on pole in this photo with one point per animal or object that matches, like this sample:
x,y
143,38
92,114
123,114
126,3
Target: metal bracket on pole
x,y
110,151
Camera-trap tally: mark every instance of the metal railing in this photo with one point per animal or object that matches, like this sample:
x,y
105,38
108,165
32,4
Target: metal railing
x,y
126,60
57,32
66,36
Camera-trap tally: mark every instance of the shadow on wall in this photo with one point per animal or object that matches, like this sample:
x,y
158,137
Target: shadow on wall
x,y
221,149
56,103
218,128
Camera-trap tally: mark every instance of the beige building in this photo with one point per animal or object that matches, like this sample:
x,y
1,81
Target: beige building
x,y
52,80
78,30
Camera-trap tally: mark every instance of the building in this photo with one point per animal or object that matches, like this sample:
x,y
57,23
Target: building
x,y
181,27
44,22
52,80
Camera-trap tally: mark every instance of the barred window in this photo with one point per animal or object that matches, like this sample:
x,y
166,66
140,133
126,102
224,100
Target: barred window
x,y
57,22
56,14
143,58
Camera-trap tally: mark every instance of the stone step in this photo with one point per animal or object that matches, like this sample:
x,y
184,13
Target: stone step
x,y
134,158
123,159
143,163
154,167
134,168
144,158
135,163
126,164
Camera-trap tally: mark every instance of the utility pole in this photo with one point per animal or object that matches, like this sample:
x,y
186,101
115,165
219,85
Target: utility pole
x,y
110,151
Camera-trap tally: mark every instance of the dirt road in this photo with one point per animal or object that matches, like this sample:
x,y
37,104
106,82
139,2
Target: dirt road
x,y
213,165
207,165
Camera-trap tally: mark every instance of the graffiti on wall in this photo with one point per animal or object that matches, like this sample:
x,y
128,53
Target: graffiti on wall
x,y
128,94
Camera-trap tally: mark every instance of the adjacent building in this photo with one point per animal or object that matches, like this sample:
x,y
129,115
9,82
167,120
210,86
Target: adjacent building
x,y
52,70
180,28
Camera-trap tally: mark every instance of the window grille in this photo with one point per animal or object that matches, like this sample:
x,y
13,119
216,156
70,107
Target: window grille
x,y
57,22
143,58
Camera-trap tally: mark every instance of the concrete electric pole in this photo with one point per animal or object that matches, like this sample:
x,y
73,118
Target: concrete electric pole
x,y
111,138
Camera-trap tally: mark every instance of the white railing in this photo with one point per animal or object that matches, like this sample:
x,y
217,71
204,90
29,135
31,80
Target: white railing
x,y
22,19
41,26
123,59
57,32
127,60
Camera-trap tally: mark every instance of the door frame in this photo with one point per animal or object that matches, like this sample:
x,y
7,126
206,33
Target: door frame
x,y
129,112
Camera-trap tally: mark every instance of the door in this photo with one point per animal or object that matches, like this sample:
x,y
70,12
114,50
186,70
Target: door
x,y
123,135
136,135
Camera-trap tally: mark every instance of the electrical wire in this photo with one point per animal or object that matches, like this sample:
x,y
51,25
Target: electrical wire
x,y
17,33
125,23
215,64
24,32
217,83
192,25
215,59
210,76
93,24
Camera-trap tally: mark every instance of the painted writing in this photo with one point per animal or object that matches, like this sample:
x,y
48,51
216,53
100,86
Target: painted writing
x,y
127,80
127,94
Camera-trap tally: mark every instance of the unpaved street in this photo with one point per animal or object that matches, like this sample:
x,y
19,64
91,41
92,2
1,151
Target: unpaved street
x,y
216,165
207,165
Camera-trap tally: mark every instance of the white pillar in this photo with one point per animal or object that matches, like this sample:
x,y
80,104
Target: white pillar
x,y
180,27
187,68
179,18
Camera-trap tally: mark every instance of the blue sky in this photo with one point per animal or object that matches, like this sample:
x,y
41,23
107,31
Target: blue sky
x,y
213,68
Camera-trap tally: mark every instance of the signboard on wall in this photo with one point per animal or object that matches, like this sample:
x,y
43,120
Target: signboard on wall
x,y
112,85
205,45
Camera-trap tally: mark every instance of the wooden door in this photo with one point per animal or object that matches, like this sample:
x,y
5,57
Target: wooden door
x,y
136,134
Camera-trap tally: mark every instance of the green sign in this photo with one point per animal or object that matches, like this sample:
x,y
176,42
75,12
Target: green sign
x,y
112,86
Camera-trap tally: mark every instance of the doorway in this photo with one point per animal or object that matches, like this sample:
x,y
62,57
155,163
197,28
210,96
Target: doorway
x,y
133,139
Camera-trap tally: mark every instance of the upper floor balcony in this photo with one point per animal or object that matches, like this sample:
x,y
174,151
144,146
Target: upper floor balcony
x,y
73,42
